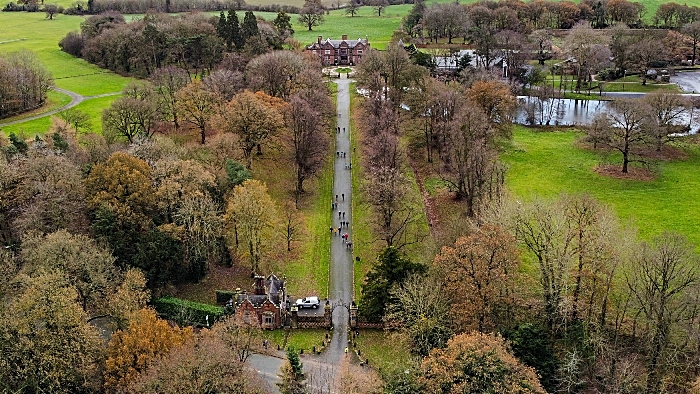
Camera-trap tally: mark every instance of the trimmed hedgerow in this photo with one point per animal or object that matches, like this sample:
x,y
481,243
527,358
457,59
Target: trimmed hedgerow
x,y
187,313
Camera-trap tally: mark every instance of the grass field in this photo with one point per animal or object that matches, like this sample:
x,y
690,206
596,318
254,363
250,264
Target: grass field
x,y
545,164
32,31
93,107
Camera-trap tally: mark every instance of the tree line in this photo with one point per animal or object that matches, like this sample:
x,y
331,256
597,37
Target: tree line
x,y
194,42
25,83
450,21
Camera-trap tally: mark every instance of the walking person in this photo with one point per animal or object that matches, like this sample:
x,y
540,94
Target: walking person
x,y
339,214
343,194
343,215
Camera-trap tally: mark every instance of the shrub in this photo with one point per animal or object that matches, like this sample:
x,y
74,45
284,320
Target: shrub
x,y
72,43
222,296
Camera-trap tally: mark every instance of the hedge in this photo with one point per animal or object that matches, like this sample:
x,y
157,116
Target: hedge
x,y
187,313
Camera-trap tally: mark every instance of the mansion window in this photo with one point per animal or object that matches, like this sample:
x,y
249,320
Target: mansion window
x,y
359,51
328,51
269,319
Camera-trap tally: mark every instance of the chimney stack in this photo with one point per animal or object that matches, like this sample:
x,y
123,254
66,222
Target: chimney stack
x,y
259,285
319,39
345,37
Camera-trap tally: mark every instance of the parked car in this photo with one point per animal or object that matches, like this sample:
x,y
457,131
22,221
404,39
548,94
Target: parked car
x,y
308,302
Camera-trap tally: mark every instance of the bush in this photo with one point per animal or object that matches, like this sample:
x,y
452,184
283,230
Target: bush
x,y
12,7
187,313
223,296
72,43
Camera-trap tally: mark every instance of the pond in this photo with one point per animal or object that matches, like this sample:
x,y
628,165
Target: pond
x,y
574,112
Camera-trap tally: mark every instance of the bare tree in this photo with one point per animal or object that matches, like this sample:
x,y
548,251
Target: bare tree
x,y
665,271
667,110
629,128
470,161
386,190
307,118
166,82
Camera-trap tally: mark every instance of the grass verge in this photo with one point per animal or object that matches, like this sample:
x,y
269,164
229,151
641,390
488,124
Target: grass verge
x,y
386,351
305,339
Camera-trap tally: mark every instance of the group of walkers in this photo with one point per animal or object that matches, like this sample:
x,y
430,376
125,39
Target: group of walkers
x,y
344,224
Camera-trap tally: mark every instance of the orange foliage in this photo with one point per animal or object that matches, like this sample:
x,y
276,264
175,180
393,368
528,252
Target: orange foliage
x,y
147,339
477,363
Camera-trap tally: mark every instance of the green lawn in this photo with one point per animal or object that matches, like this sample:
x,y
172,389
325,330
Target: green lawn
x,y
546,164
301,339
386,351
365,24
32,31
93,107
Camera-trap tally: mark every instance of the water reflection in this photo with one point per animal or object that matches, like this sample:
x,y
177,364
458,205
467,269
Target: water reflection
x,y
570,112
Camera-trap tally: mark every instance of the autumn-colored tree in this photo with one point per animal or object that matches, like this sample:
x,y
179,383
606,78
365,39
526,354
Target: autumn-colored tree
x,y
47,345
496,101
176,180
203,364
122,199
123,185
130,296
197,105
253,118
479,274
354,379
50,194
477,363
131,351
89,267
252,214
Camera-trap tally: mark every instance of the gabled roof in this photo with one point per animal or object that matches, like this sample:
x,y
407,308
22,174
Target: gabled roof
x,y
339,43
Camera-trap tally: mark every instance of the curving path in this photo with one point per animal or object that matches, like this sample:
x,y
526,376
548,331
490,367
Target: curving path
x,y
75,100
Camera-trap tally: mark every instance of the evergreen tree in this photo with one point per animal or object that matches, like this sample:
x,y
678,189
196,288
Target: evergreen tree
x,y
391,268
250,26
283,24
235,30
292,374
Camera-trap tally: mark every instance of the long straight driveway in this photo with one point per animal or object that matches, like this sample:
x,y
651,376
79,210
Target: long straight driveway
x,y
323,371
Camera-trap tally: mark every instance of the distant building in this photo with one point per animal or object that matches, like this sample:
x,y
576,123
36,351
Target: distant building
x,y
339,52
267,304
